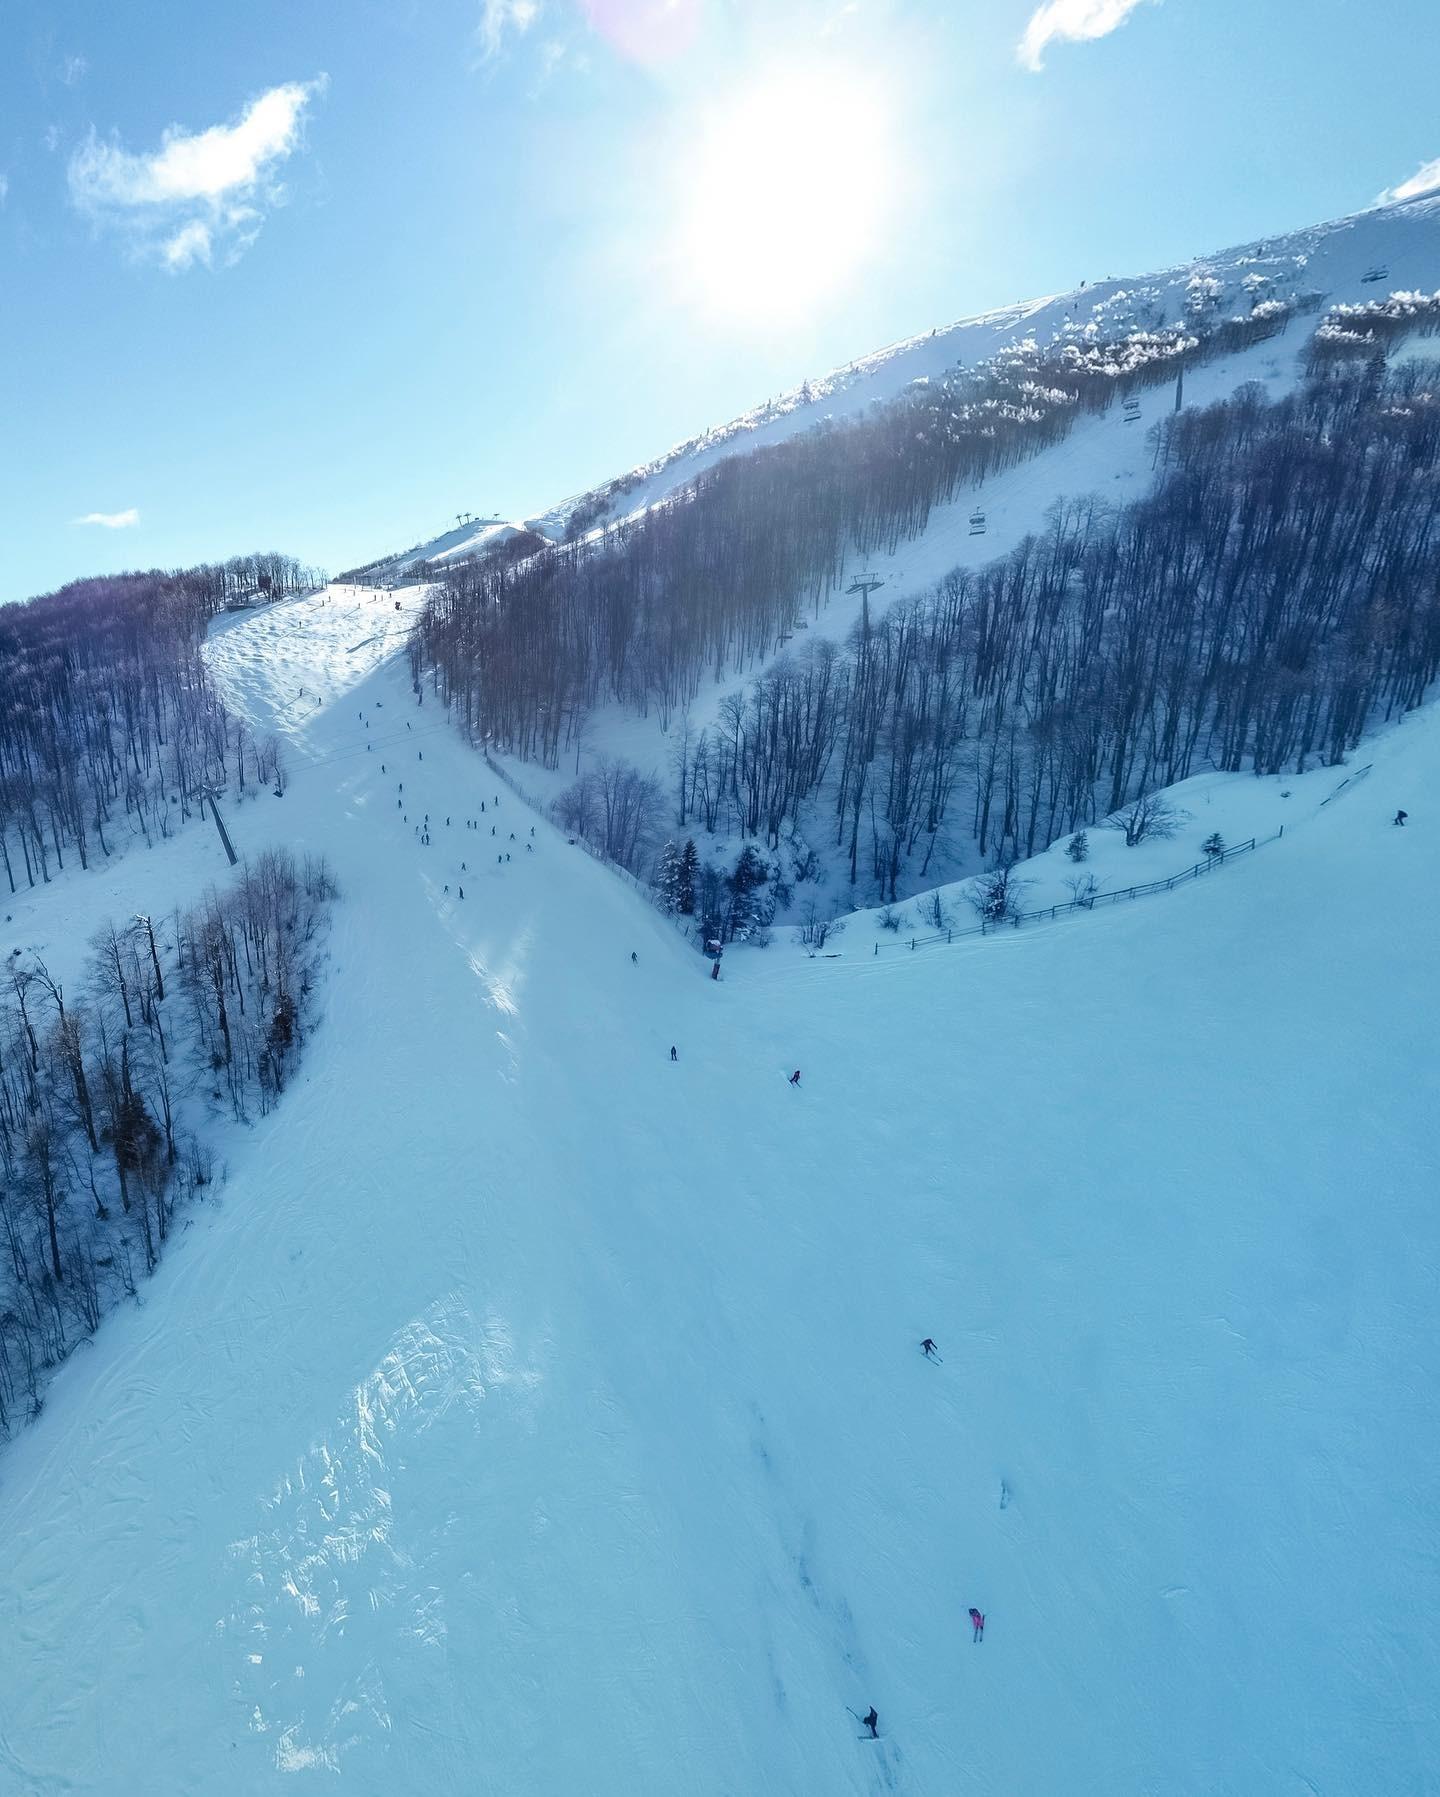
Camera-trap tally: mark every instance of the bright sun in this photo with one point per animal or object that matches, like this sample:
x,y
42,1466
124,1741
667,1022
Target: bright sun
x,y
785,194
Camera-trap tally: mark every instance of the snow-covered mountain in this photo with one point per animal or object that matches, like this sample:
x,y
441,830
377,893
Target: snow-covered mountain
x,y
537,1404
1347,259
533,1412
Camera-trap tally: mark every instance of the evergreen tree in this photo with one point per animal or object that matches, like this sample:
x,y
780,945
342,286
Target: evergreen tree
x,y
667,878
1078,847
746,906
1214,844
685,878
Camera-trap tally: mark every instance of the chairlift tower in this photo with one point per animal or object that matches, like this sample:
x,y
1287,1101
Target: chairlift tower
x,y
865,584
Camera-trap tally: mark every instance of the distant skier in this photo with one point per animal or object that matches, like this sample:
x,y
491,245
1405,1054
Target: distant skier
x,y
795,1077
673,1055
977,1622
927,1348
872,1722
462,892
1400,816
634,958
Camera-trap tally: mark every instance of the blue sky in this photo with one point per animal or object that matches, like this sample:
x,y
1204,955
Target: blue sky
x,y
315,277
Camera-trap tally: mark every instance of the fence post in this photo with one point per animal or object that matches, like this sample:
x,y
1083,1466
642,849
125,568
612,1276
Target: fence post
x,y
912,942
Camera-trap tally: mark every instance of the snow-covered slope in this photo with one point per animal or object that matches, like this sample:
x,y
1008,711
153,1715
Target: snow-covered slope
x,y
537,1414
1349,258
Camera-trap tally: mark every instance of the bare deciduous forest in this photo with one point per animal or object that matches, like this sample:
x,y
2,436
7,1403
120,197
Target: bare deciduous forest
x,y
108,723
105,1093
1275,594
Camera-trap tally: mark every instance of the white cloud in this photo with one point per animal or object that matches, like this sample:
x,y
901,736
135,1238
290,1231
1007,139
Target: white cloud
x,y
4,188
1072,20
73,70
497,17
111,520
1426,179
191,243
200,190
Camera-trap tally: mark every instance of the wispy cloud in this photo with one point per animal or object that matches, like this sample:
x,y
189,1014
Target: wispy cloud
x,y
4,188
73,70
1426,179
201,193
500,19
1073,21
111,520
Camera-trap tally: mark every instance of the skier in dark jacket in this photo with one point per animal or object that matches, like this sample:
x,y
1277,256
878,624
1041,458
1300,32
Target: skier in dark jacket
x,y
673,1055
977,1622
1400,816
927,1347
872,1722
634,958
795,1077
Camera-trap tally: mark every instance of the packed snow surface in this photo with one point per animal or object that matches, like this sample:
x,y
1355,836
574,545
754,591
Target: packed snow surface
x,y
533,1413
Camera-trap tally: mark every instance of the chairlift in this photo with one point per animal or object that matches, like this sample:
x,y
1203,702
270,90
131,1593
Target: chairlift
x,y
1378,273
977,524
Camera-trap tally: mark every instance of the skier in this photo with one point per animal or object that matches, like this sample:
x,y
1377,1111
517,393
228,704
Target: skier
x,y
978,1623
673,1055
928,1348
634,958
462,892
715,969
795,1077
872,1722
1400,816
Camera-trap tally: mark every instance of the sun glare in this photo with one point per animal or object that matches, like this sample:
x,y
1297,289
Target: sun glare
x,y
785,195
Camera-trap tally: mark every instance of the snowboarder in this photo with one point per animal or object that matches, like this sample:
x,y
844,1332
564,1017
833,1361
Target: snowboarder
x,y
462,892
872,1722
927,1347
1400,816
795,1077
977,1622
673,1055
